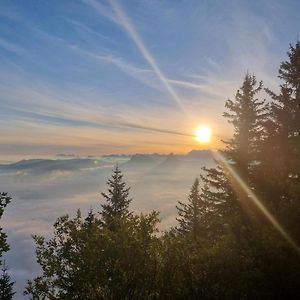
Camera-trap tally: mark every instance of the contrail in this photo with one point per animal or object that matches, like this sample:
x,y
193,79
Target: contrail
x,y
153,129
257,202
127,24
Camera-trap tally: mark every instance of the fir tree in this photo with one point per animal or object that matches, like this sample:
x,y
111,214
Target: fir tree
x,y
90,219
289,72
273,173
280,172
112,257
4,200
193,213
117,199
248,115
6,285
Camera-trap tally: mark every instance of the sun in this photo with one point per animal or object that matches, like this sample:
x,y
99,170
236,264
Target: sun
x,y
203,134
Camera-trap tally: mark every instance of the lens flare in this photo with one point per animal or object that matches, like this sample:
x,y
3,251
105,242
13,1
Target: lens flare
x,y
219,157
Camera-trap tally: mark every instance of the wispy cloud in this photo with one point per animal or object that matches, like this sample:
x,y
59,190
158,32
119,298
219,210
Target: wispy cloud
x,y
11,47
71,76
128,26
104,10
146,76
86,29
140,74
185,84
61,117
153,129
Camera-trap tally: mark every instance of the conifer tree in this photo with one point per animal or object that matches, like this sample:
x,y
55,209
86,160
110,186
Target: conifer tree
x,y
90,220
117,200
289,71
280,169
4,200
193,213
6,285
272,176
285,114
288,193
111,257
247,114
278,131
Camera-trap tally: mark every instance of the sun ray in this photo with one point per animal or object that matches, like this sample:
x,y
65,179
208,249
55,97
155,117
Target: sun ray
x,y
219,157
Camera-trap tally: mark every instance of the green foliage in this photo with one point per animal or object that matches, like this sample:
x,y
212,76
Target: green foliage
x,y
247,114
279,173
193,215
4,200
117,201
6,285
111,257
289,70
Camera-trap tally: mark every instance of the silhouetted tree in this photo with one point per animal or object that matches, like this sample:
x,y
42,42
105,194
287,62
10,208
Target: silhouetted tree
x,y
228,246
280,170
248,115
117,201
111,257
4,200
193,214
276,167
6,285
283,139
289,71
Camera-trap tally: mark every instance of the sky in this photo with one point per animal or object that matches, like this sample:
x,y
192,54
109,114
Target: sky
x,y
91,77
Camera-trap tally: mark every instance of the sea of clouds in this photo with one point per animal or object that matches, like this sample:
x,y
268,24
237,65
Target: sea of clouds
x,y
43,190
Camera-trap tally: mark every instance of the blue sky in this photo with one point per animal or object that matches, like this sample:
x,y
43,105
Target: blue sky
x,y
83,76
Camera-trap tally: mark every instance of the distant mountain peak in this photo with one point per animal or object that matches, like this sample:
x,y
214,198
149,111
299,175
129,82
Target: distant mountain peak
x,y
203,154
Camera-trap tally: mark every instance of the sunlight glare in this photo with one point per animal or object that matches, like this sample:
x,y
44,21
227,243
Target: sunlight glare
x,y
251,196
203,134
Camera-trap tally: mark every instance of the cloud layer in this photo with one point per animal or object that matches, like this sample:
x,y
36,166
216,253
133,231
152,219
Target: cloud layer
x,y
43,190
